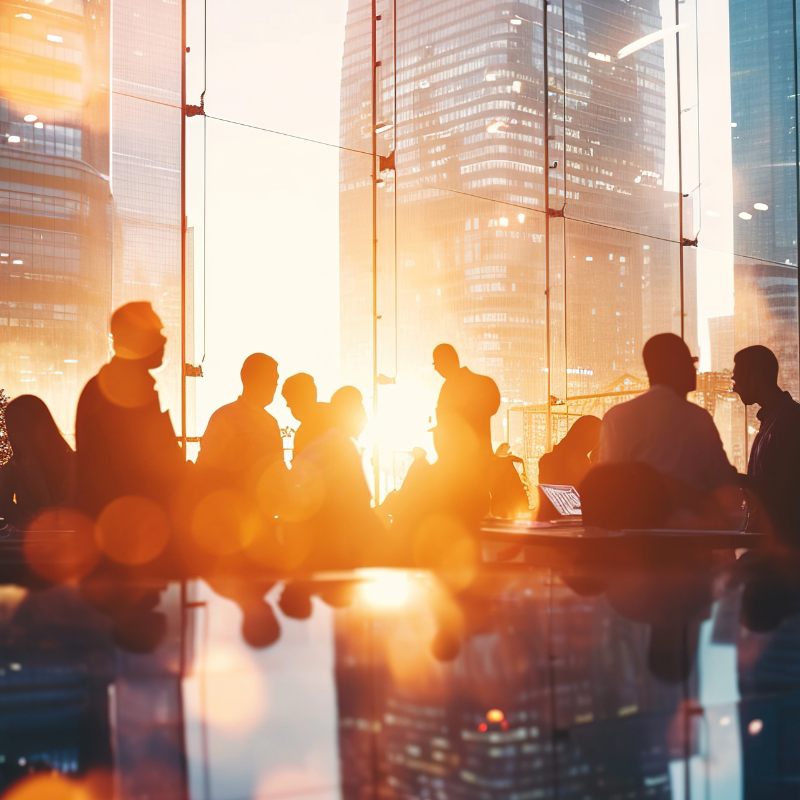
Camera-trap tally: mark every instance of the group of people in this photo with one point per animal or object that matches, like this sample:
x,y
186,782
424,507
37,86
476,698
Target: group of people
x,y
654,461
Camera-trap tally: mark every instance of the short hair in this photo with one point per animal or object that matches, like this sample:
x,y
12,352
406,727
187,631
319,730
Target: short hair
x,y
445,352
300,387
256,366
663,354
136,329
759,360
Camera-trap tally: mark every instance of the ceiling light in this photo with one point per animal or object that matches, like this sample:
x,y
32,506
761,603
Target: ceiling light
x,y
24,16
53,37
496,126
761,207
38,124
649,39
745,215
30,118
13,139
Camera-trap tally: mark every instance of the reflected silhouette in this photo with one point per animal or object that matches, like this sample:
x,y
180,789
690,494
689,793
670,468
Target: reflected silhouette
x,y
41,473
773,470
125,444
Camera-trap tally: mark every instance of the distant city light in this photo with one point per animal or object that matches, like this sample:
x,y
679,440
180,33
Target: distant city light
x,y
17,261
761,207
491,76
30,118
589,258
647,247
734,125
53,37
70,360
13,139
424,83
503,222
725,721
755,727
38,124
24,16
382,127
520,218
516,86
495,715
516,21
4,255
599,56
649,39
483,727
496,126
745,215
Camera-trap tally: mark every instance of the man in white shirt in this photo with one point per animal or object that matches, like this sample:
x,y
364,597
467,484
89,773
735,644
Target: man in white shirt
x,y
662,428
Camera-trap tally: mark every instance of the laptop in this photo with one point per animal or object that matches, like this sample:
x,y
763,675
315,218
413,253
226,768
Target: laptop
x,y
565,500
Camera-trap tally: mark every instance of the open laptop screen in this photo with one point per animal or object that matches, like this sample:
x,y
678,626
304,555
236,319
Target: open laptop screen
x,y
565,499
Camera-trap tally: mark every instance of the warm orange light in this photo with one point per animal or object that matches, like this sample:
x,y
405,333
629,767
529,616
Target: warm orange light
x,y
132,530
385,588
755,727
60,545
495,715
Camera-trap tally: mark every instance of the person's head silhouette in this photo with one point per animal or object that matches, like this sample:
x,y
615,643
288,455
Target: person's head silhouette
x,y
136,330
755,375
445,360
669,363
32,431
583,436
347,407
259,379
300,393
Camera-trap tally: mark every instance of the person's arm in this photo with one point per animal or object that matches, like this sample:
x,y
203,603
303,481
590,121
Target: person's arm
x,y
608,447
719,471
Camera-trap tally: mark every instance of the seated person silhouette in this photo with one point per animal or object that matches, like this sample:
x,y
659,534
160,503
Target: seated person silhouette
x,y
300,393
662,428
125,444
473,398
773,470
243,435
41,473
509,497
568,462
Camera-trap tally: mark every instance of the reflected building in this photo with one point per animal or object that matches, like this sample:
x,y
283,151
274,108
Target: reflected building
x,y
469,189
56,210
146,164
765,180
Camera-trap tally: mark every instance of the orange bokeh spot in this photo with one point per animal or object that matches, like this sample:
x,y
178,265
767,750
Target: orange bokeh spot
x,y
59,545
225,522
132,530
444,545
294,495
495,715
52,786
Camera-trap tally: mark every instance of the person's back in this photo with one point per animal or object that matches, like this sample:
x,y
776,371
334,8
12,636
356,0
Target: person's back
x,y
773,470
662,428
125,444
41,473
243,434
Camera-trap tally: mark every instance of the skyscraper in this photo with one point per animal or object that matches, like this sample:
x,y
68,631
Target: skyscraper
x,y
56,210
764,132
470,194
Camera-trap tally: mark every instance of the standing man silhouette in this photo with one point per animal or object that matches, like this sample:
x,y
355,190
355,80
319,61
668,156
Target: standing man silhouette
x,y
300,393
125,444
466,397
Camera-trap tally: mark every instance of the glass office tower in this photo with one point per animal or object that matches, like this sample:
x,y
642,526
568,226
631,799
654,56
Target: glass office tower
x,y
56,209
472,191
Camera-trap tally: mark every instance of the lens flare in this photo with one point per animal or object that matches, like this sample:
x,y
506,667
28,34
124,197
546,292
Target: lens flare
x,y
59,545
132,530
385,588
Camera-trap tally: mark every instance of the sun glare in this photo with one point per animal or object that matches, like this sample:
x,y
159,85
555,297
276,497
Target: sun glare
x,y
385,588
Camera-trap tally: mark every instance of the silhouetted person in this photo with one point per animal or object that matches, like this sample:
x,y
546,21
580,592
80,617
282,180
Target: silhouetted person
x,y
347,411
243,434
509,498
568,462
662,428
125,444
41,473
773,471
473,398
300,393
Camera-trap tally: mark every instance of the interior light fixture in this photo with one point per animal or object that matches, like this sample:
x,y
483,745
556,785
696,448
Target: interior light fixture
x,y
382,127
745,215
14,140
24,16
656,36
761,207
54,37
496,126
30,118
